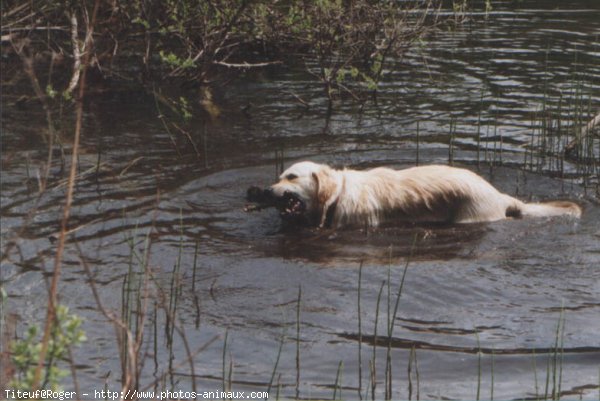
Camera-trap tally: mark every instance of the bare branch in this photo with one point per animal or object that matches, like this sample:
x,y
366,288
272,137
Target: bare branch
x,y
246,65
76,55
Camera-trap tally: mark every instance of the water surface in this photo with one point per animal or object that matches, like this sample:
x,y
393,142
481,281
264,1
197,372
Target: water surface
x,y
477,298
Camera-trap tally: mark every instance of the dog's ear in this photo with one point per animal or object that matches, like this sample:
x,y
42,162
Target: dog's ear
x,y
326,185
327,191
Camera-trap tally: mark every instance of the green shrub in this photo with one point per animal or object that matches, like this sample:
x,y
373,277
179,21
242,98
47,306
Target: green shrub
x,y
66,332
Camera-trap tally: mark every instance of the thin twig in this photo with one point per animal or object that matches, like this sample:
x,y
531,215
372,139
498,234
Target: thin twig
x,y
246,65
52,296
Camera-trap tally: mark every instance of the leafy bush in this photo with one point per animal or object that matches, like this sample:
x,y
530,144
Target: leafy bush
x,y
66,333
344,44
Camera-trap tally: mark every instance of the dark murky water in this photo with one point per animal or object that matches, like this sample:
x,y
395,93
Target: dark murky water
x,y
496,287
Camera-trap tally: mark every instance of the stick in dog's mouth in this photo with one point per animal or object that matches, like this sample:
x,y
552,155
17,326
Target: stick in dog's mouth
x,y
290,206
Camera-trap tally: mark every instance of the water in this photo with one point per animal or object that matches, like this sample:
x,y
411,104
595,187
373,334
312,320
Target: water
x,y
498,288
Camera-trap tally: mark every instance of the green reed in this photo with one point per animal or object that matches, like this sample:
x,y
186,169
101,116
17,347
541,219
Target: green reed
x,y
132,302
559,132
360,268
478,366
535,375
155,337
277,394
492,378
558,356
298,342
373,365
338,381
279,162
412,359
391,320
452,134
133,297
418,141
195,295
281,342
495,148
479,126
223,361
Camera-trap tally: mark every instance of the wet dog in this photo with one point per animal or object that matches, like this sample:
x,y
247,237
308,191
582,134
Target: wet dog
x,y
337,198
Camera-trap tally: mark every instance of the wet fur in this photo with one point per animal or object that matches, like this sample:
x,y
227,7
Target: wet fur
x,y
419,194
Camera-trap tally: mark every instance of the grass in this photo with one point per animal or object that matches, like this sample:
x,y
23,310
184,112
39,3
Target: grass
x,y
560,141
559,133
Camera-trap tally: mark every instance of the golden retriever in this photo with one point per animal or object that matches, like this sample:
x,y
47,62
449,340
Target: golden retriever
x,y
436,193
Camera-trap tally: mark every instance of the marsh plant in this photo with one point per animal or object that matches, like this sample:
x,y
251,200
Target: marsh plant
x,y
65,334
345,45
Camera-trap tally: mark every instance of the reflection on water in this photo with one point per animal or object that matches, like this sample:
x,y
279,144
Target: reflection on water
x,y
495,288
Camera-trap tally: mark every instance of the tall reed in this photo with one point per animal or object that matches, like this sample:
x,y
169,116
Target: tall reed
x,y
298,342
391,321
360,268
373,364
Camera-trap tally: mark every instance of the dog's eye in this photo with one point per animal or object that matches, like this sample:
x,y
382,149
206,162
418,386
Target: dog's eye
x,y
291,177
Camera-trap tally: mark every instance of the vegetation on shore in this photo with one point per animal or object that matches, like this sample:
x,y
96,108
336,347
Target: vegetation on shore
x,y
344,44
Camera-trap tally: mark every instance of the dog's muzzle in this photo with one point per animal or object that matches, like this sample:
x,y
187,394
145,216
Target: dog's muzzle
x,y
290,206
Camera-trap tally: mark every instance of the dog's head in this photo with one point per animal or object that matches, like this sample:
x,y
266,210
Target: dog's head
x,y
307,188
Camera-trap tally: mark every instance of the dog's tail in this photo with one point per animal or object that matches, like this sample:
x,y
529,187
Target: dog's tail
x,y
545,209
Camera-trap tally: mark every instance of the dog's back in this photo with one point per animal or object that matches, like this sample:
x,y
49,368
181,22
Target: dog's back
x,y
432,193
